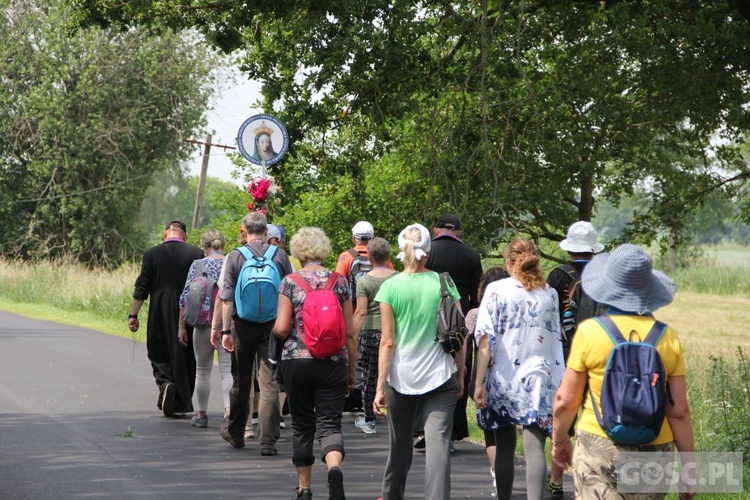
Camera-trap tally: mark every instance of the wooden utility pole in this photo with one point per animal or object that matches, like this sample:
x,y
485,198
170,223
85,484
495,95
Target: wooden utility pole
x,y
202,180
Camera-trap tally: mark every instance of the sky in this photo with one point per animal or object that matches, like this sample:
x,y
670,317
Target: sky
x,y
234,105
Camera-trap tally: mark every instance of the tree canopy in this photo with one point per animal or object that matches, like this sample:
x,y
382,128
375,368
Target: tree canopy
x,y
86,120
516,115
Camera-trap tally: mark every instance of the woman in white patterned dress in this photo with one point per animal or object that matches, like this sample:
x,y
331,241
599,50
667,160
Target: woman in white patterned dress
x,y
519,365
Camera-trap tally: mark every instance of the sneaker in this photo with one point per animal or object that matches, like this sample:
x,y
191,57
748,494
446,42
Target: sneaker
x,y
304,494
198,421
494,484
419,442
224,432
282,424
167,399
336,484
249,432
269,450
367,427
452,447
556,490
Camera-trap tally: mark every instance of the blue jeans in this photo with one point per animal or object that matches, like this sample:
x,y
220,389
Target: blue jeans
x,y
435,409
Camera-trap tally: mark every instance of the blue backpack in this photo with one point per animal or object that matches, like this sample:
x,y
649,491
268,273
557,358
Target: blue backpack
x,y
634,392
256,295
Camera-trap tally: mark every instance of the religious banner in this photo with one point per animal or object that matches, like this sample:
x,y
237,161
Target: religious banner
x,y
263,140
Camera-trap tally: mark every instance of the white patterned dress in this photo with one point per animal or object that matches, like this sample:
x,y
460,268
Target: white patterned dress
x,y
526,357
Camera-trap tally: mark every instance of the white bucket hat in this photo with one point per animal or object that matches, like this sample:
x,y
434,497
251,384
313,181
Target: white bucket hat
x,y
582,238
626,280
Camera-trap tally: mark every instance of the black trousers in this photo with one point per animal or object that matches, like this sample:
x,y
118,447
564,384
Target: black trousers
x,y
250,340
315,390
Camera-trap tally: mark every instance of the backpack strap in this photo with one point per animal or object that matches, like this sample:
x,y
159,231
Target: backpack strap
x,y
332,279
444,277
200,269
656,333
571,271
270,252
354,253
245,252
653,336
611,329
304,285
301,282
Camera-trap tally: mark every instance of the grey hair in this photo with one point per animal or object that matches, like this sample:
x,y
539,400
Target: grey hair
x,y
213,240
255,222
379,251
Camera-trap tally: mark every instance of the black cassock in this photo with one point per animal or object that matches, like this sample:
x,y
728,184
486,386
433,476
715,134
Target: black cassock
x,y
164,270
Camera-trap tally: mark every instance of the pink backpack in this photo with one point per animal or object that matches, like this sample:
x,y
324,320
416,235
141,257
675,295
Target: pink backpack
x,y
322,318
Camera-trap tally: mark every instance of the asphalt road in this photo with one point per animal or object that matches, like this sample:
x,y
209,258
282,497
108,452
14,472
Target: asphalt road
x,y
78,419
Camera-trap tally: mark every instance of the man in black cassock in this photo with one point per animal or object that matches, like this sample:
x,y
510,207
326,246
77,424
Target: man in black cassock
x,y
164,270
464,265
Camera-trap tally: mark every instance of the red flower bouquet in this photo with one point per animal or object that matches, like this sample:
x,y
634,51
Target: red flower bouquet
x,y
264,192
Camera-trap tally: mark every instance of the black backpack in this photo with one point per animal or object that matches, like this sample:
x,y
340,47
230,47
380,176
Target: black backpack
x,y
358,268
577,306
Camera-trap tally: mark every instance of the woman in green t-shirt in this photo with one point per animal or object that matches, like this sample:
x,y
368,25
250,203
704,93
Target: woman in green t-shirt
x,y
417,379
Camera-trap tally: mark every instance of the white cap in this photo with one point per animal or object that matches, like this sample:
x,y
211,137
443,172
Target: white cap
x,y
273,232
363,230
582,238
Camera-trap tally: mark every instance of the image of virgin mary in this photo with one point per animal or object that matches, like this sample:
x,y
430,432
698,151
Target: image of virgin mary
x,y
263,145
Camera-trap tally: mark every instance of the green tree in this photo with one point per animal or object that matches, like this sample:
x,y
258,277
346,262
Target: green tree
x,y
87,120
172,196
519,116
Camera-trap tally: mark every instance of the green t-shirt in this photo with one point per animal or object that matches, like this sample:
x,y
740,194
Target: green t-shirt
x,y
368,286
419,363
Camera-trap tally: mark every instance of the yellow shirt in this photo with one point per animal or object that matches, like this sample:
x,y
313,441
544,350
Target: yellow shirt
x,y
295,263
590,353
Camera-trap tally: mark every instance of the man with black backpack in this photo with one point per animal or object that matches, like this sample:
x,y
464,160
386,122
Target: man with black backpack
x,y
252,276
352,265
355,262
575,306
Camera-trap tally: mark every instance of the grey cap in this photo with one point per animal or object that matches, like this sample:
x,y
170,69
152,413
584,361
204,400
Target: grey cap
x,y
273,232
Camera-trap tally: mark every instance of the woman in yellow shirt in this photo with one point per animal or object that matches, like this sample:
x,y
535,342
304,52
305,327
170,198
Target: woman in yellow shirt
x,y
624,280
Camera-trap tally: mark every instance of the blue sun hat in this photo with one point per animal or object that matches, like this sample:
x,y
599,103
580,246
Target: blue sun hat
x,y
626,279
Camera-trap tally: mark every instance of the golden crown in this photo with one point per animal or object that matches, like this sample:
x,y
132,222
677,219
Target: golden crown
x,y
263,129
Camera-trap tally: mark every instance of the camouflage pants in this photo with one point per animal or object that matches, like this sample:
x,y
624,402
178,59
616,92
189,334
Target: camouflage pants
x,y
595,472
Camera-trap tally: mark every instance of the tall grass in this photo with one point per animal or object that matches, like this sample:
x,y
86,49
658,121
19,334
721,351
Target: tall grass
x,y
69,292
715,280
